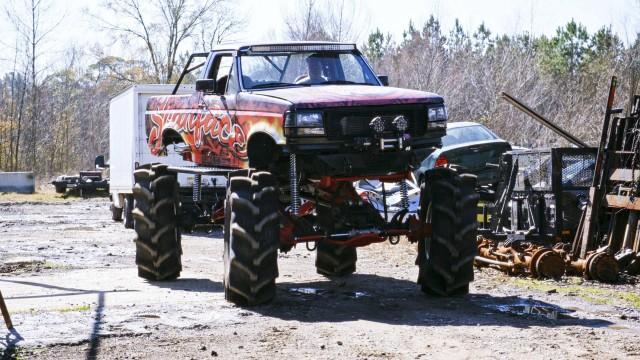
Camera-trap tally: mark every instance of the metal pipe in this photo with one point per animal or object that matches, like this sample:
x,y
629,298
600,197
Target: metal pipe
x,y
384,203
5,313
493,262
636,243
630,230
542,120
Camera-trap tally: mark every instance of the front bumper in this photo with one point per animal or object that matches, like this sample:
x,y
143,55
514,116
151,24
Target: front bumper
x,y
360,163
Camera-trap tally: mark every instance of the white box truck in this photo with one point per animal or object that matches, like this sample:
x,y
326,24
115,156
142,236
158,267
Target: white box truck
x,y
128,149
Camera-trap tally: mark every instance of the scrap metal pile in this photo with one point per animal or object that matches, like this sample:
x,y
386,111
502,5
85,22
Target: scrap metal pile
x,y
569,210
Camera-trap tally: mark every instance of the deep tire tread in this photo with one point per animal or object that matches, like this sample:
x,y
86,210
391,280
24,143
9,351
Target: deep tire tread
x,y
335,260
158,248
445,259
252,226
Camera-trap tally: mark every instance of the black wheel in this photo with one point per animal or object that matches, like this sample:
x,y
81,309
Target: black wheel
x,y
445,258
61,189
251,236
158,249
335,260
127,210
116,213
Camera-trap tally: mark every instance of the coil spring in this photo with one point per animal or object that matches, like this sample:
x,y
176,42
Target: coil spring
x,y
404,194
293,181
197,188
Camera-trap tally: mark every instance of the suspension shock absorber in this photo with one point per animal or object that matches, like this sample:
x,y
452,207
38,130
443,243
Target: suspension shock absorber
x,y
404,194
197,188
293,182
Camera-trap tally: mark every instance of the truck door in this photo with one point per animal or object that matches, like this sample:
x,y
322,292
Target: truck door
x,y
223,138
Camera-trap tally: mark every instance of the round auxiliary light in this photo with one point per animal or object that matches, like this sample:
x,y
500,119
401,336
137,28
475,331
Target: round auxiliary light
x,y
401,123
377,124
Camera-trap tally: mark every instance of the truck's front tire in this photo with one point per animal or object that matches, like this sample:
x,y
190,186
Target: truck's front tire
x,y
445,258
158,248
251,236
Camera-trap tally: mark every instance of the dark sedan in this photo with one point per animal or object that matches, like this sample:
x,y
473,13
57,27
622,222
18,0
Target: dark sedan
x,y
471,146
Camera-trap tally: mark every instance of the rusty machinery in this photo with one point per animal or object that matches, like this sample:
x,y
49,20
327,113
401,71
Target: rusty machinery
x,y
610,223
577,203
520,258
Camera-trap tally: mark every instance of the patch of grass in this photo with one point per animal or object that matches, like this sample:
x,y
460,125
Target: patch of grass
x,y
72,308
56,266
83,307
595,295
35,197
14,353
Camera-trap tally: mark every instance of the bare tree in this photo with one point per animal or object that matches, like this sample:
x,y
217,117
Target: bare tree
x,y
27,19
325,20
163,27
219,26
306,23
345,19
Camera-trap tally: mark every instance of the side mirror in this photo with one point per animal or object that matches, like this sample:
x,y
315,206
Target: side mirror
x,y
206,85
384,79
100,162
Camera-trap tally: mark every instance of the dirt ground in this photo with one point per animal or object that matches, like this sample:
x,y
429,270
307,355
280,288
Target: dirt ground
x,y
67,273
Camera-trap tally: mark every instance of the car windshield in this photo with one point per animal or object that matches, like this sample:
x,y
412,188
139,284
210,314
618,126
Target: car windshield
x,y
262,70
465,134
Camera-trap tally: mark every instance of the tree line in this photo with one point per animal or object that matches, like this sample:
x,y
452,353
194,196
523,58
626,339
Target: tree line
x,y
564,77
55,120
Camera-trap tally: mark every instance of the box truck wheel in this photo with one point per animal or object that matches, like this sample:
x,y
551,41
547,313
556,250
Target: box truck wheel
x,y
127,208
116,213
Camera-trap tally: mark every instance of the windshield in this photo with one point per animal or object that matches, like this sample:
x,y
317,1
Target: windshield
x,y
467,134
304,69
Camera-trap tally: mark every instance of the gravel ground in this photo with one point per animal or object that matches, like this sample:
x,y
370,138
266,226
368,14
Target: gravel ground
x,y
67,273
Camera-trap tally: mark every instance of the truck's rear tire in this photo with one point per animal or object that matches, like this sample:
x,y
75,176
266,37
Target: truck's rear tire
x,y
60,189
127,211
116,213
335,260
158,248
251,236
445,259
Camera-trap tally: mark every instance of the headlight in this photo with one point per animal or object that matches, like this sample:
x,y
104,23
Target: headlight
x,y
401,123
304,124
438,113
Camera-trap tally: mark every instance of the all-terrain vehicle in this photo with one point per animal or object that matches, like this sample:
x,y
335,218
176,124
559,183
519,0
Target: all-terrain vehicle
x,y
293,126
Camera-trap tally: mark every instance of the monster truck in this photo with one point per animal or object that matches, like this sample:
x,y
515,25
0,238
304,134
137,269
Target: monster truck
x,y
293,126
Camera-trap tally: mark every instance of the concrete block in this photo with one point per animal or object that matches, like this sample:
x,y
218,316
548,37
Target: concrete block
x,y
20,182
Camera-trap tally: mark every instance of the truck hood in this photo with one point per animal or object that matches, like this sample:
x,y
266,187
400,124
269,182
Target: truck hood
x,y
325,96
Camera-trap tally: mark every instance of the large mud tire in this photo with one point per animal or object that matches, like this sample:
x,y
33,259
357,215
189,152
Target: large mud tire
x,y
335,260
251,239
445,259
158,248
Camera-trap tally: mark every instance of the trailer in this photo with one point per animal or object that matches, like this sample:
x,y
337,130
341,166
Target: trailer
x,y
129,151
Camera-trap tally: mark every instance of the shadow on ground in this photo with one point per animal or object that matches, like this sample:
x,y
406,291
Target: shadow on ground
x,y
190,284
396,301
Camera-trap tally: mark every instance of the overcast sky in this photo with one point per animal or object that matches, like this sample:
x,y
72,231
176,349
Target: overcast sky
x,y
265,18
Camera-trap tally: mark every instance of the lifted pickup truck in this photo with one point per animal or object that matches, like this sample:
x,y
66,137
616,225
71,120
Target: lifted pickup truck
x,y
293,126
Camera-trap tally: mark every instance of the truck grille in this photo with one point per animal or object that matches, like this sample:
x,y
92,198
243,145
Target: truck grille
x,y
354,122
